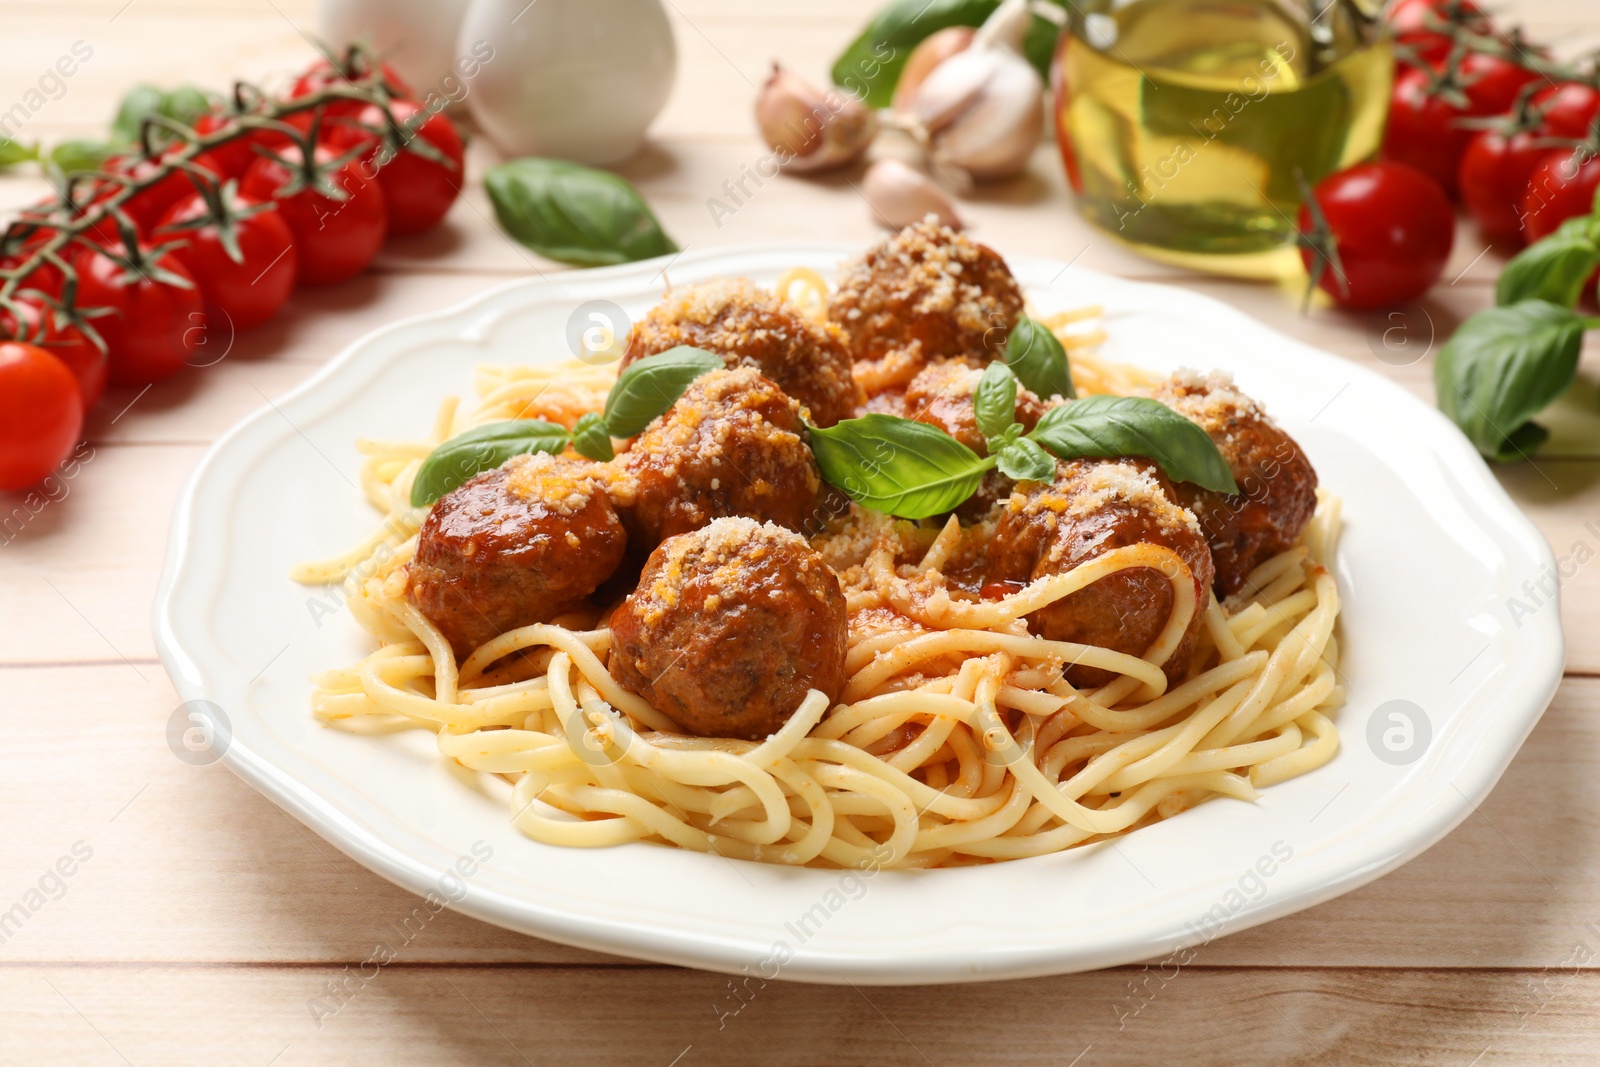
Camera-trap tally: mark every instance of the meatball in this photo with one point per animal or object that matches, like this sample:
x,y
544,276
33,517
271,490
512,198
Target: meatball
x,y
733,444
751,327
1278,487
1092,507
729,629
514,546
926,293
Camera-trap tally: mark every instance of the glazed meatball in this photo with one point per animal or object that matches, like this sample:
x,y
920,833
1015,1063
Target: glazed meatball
x,y
751,327
733,444
927,293
1278,487
514,546
1094,506
729,629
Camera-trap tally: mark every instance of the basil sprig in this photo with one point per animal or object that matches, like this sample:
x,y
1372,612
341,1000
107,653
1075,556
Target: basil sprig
x,y
1506,364
915,470
1036,357
643,391
574,214
1502,367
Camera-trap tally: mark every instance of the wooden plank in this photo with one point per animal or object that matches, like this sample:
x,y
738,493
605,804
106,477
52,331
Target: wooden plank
x,y
654,1016
1513,886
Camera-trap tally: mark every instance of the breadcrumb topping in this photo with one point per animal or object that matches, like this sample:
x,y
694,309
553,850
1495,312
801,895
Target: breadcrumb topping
x,y
719,555
1084,488
564,486
926,292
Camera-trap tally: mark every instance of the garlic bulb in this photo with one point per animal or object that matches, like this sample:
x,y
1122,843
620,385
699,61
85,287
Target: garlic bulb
x,y
934,49
810,130
981,111
900,196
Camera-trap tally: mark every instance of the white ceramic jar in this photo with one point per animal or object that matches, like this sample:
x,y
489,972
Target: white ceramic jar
x,y
416,37
571,79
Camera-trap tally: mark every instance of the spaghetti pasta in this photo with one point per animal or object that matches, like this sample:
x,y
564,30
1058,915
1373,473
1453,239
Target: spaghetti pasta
x,y
957,739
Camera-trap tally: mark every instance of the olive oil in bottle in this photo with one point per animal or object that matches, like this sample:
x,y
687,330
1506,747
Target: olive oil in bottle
x,y
1183,122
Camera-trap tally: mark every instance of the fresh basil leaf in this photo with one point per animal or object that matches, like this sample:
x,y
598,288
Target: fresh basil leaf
x,y
897,466
479,450
1502,367
870,67
1554,268
80,154
590,438
1114,426
995,400
185,104
14,152
1025,461
574,214
652,385
1036,357
138,104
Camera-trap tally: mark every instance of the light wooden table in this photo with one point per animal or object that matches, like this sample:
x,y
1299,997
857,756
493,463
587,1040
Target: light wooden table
x,y
203,919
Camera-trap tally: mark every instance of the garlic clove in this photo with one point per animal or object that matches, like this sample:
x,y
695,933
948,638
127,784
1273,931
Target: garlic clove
x,y
901,196
811,130
980,112
934,49
997,135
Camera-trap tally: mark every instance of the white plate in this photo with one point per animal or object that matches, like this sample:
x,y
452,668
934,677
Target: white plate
x,y
1432,553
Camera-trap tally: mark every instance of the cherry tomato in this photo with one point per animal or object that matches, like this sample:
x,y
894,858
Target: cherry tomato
x,y
67,343
1570,108
41,415
246,292
1393,228
1492,83
1423,130
334,239
145,208
1417,24
417,190
154,325
1562,186
321,74
232,159
1494,173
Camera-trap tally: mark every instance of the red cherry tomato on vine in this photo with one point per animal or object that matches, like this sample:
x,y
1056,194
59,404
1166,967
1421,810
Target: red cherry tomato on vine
x,y
334,239
155,325
1414,24
41,414
232,159
1392,226
321,74
1495,171
1423,130
417,190
67,343
1569,109
146,208
1562,186
244,292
